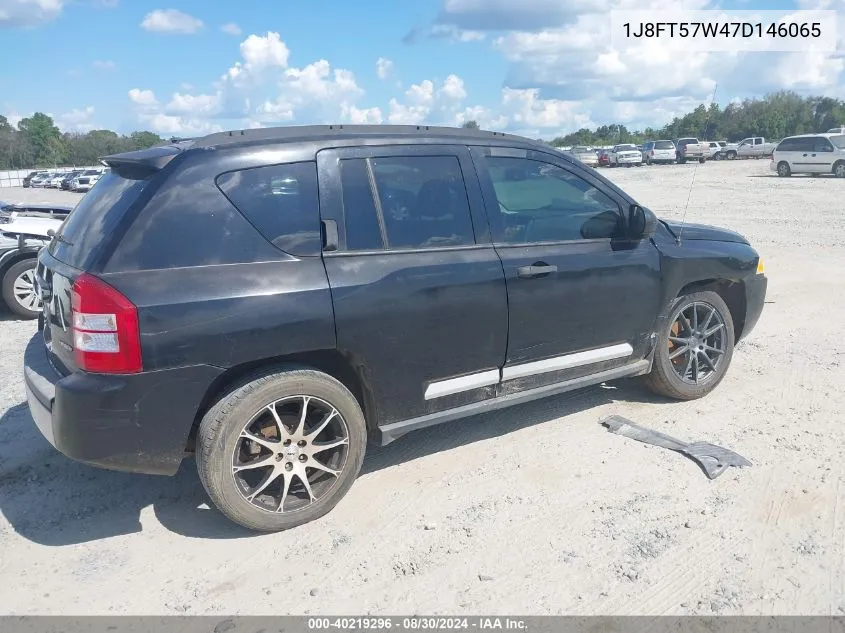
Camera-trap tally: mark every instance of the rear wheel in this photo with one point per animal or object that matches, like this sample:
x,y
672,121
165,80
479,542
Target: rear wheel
x,y
695,349
783,169
281,449
839,169
19,289
702,160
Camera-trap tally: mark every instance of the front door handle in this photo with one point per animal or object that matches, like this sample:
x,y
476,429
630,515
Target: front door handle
x,y
804,155
535,270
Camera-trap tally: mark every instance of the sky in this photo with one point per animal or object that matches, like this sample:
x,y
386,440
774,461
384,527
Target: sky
x,y
534,67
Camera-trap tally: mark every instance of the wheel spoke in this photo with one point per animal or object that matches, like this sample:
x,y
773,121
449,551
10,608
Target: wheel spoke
x,y
694,316
319,447
678,352
679,339
323,424
303,477
319,466
270,460
706,358
288,478
715,350
688,366
713,330
684,321
300,428
695,370
268,444
709,318
268,479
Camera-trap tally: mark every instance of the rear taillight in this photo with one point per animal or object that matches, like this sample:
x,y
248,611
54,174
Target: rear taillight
x,y
106,336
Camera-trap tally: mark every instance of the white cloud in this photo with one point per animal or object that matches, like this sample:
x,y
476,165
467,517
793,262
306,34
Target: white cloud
x,y
450,32
29,12
453,89
264,51
171,21
195,104
384,68
361,116
177,125
143,97
105,64
77,120
231,28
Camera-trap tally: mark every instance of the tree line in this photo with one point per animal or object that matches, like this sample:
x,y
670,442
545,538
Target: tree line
x,y
774,116
37,142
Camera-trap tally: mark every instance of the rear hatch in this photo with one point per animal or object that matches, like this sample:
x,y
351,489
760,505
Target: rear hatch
x,y
77,245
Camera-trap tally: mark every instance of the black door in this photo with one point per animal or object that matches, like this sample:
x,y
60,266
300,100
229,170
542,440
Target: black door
x,y
581,300
418,290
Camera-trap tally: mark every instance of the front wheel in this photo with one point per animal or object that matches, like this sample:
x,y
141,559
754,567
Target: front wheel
x,y
19,289
839,169
282,448
695,348
702,160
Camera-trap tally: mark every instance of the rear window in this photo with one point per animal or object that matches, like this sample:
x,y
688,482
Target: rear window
x,y
94,218
281,202
664,145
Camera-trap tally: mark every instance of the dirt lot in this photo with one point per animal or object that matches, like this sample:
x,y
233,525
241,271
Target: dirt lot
x,y
533,510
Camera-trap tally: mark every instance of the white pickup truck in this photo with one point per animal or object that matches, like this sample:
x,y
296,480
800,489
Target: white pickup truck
x,y
751,147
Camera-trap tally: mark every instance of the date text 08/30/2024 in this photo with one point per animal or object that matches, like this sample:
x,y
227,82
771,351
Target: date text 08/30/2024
x,y
416,624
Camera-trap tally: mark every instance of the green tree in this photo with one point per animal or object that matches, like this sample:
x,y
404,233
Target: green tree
x,y
143,140
44,138
470,125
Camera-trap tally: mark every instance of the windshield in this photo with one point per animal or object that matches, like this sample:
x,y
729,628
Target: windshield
x,y
838,141
664,145
94,218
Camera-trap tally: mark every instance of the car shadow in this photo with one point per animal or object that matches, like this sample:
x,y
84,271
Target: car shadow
x,y
52,500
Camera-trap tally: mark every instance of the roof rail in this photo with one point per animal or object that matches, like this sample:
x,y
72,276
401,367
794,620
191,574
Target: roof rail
x,y
304,131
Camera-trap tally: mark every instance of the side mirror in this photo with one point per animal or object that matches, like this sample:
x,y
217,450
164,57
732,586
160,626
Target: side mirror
x,y
642,223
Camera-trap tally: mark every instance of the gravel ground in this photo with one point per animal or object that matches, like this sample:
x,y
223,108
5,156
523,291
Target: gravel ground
x,y
532,510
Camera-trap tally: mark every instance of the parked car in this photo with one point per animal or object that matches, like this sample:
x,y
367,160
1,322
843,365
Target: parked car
x,y
810,154
9,212
604,158
659,152
715,149
287,352
28,178
20,241
627,155
837,130
85,180
585,155
69,176
39,180
751,147
691,149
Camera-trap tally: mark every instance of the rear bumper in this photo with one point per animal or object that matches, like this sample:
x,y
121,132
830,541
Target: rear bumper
x,y
755,298
138,423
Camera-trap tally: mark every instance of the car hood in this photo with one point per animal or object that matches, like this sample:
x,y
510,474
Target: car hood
x,y
31,226
704,232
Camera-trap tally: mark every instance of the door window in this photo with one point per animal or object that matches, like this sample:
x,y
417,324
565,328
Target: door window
x,y
423,201
821,144
541,202
363,231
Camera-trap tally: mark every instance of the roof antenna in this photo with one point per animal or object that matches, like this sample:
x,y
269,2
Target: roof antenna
x,y
695,170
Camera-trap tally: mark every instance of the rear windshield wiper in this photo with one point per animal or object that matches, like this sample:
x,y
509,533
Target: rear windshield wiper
x,y
58,237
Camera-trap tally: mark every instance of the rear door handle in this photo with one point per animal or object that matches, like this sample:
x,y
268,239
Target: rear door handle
x,y
538,269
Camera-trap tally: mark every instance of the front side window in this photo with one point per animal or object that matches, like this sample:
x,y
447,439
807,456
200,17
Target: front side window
x,y
423,201
838,141
281,202
541,202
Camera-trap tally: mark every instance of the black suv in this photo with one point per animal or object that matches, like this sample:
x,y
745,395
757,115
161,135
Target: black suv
x,y
270,299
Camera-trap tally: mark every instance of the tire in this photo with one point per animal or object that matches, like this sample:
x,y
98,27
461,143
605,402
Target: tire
x,y
783,169
839,169
702,160
648,161
731,155
682,161
244,407
21,275
665,379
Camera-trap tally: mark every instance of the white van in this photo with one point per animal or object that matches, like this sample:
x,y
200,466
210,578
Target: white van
x,y
810,154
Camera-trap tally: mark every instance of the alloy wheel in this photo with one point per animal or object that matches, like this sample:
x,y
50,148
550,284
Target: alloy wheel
x,y
839,170
25,292
290,454
697,342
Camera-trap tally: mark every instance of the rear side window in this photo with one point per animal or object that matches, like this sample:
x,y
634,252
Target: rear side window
x,y
423,201
281,202
94,219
